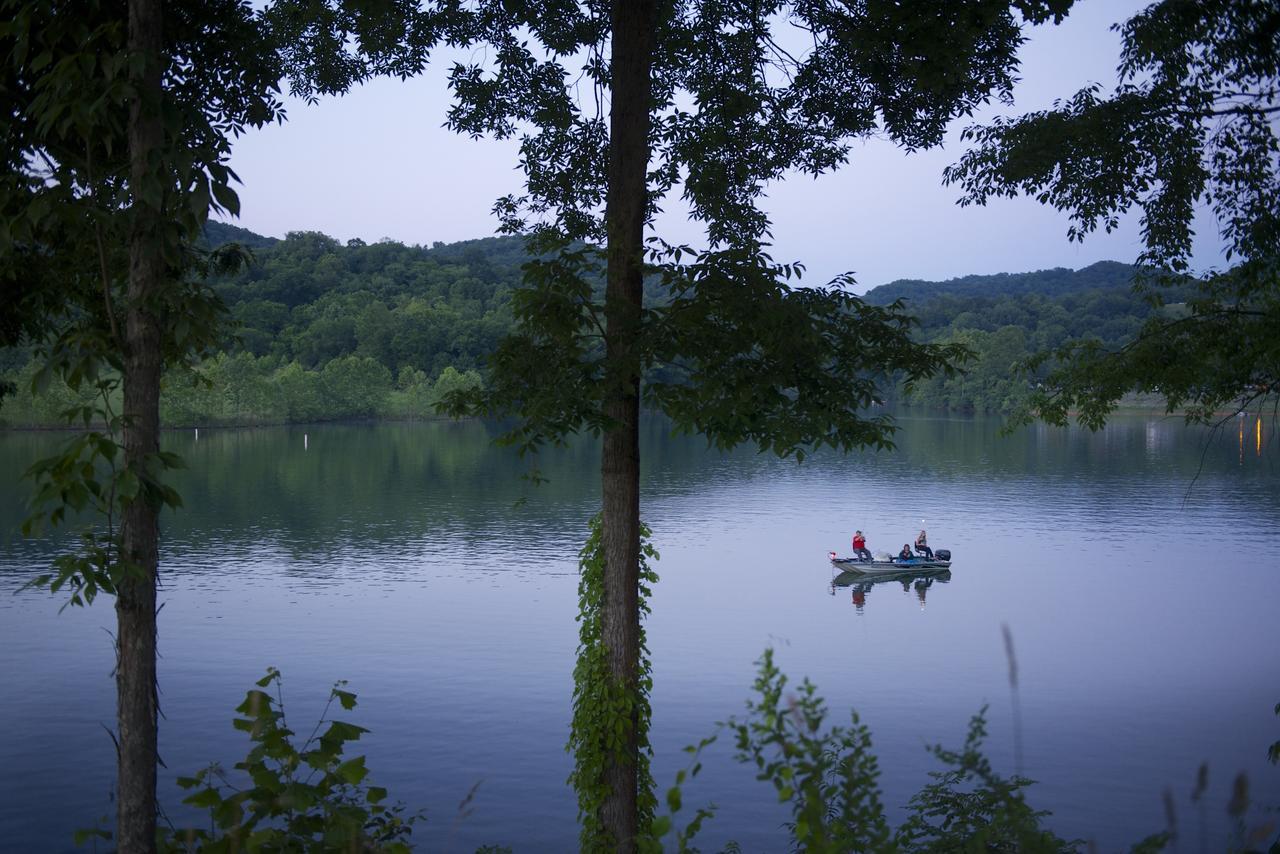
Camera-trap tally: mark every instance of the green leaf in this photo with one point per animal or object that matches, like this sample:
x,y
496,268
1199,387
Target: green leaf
x,y
83,835
171,460
228,814
340,732
256,703
226,197
127,485
353,770
266,778
321,758
204,799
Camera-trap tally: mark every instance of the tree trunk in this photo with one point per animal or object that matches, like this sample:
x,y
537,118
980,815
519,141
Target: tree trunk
x,y
625,208
140,528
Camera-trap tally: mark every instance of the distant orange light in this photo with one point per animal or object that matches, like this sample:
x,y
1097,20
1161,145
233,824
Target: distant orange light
x,y
1258,435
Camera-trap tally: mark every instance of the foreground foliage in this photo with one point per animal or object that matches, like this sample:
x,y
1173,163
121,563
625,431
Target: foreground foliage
x,y
297,797
829,778
310,796
605,710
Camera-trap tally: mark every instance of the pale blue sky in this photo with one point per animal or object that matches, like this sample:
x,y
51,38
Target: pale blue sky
x,y
377,163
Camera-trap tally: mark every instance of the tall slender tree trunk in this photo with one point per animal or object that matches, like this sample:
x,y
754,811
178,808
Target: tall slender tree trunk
x,y
625,208
140,529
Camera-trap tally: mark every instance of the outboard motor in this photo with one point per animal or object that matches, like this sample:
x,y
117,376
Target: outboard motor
x,y
942,554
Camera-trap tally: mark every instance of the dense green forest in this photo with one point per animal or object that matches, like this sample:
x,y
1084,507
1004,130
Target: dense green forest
x,y
311,299
1005,318
323,330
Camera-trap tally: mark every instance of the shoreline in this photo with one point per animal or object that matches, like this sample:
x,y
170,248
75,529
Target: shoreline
x,y
67,428
1153,408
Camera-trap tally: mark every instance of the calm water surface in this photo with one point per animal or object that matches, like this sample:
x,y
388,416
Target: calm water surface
x,y
1137,569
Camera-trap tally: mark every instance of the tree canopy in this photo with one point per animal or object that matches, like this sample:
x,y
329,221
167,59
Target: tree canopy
x,y
733,109
1190,125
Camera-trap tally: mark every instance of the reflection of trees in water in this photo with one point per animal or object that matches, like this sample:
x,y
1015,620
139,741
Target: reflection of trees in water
x,y
371,482
959,446
1133,459
414,481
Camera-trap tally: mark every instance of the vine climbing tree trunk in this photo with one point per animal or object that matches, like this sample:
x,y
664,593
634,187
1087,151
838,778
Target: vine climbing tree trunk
x,y
140,530
625,210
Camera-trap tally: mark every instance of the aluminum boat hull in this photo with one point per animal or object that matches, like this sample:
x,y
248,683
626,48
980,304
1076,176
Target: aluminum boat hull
x,y
888,567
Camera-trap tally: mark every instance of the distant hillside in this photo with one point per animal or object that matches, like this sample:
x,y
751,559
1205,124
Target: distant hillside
x,y
419,311
1056,282
324,329
218,233
311,299
1006,318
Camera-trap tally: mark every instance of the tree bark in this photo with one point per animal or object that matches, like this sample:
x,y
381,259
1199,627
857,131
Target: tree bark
x,y
140,526
625,209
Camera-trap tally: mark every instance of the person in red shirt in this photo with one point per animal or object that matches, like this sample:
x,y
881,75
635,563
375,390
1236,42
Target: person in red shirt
x,y
860,546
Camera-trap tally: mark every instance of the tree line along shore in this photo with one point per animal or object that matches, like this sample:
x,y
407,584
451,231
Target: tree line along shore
x,y
326,331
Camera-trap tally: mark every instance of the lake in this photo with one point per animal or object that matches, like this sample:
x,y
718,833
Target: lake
x,y
1137,570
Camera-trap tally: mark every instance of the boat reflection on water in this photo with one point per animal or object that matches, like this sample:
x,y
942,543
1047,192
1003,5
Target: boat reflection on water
x,y
918,580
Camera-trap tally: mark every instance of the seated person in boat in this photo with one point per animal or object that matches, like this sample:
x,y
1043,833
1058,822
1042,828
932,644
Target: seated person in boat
x,y
860,550
922,545
905,554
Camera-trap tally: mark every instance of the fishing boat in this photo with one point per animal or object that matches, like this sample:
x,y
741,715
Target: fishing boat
x,y
892,565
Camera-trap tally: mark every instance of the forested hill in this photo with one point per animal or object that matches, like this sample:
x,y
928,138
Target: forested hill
x,y
218,233
1004,319
325,329
310,299
1056,282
